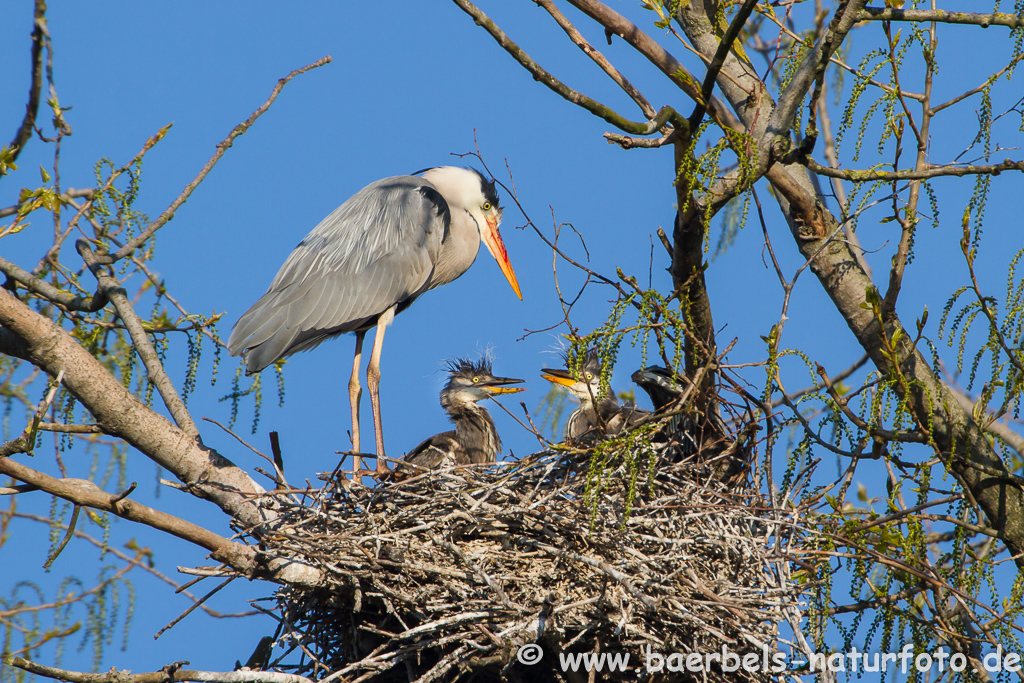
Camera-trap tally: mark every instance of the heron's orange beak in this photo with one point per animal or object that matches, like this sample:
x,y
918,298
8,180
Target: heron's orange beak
x,y
496,386
558,377
492,239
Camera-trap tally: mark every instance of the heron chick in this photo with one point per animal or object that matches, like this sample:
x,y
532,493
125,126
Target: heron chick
x,y
689,433
367,261
475,439
598,413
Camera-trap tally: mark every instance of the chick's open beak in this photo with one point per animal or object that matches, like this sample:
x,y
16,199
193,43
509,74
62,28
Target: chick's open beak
x,y
497,386
558,376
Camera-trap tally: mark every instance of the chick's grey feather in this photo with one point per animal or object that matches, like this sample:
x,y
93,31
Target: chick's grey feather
x,y
375,251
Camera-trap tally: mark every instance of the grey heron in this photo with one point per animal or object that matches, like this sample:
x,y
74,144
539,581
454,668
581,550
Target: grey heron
x,y
598,412
475,439
367,261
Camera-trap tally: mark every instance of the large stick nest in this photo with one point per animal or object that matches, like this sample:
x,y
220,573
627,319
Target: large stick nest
x,y
446,575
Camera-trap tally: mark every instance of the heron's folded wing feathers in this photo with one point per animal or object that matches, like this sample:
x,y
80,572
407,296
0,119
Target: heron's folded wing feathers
x,y
376,250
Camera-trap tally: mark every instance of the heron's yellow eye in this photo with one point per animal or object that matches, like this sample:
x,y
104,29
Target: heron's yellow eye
x,y
487,206
590,376
475,380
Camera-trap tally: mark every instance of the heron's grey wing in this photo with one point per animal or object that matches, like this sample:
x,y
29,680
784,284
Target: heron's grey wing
x,y
434,451
376,250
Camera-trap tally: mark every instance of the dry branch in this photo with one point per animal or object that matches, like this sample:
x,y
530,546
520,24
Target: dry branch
x,y
169,674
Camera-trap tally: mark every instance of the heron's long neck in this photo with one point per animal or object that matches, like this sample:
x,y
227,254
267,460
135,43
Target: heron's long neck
x,y
475,432
458,251
582,420
585,417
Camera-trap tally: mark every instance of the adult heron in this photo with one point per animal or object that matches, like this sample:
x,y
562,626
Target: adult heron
x,y
475,439
367,261
598,412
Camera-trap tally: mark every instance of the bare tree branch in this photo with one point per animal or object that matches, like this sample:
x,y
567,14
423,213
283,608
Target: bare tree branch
x,y
85,492
940,16
129,248
598,58
113,291
617,24
39,36
170,674
577,98
928,171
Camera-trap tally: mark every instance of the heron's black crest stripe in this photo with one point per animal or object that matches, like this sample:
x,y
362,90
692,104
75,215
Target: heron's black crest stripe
x,y
465,366
488,187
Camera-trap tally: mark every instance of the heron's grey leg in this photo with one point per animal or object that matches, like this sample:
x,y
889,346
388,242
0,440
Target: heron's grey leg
x,y
373,384
355,393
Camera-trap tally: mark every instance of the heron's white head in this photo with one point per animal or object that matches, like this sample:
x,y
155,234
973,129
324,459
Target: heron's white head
x,y
466,189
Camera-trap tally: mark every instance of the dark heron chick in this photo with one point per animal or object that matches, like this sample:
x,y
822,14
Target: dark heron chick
x,y
475,439
598,412
661,384
667,389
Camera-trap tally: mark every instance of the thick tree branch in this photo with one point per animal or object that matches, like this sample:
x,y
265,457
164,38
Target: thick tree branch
x,y
46,290
940,16
86,493
205,473
731,34
994,426
36,339
113,291
953,431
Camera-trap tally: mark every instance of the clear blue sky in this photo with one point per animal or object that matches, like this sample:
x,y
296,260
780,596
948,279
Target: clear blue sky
x,y
410,84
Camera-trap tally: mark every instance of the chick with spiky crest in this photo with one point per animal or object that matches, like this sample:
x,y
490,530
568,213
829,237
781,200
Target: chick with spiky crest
x,y
475,438
599,412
